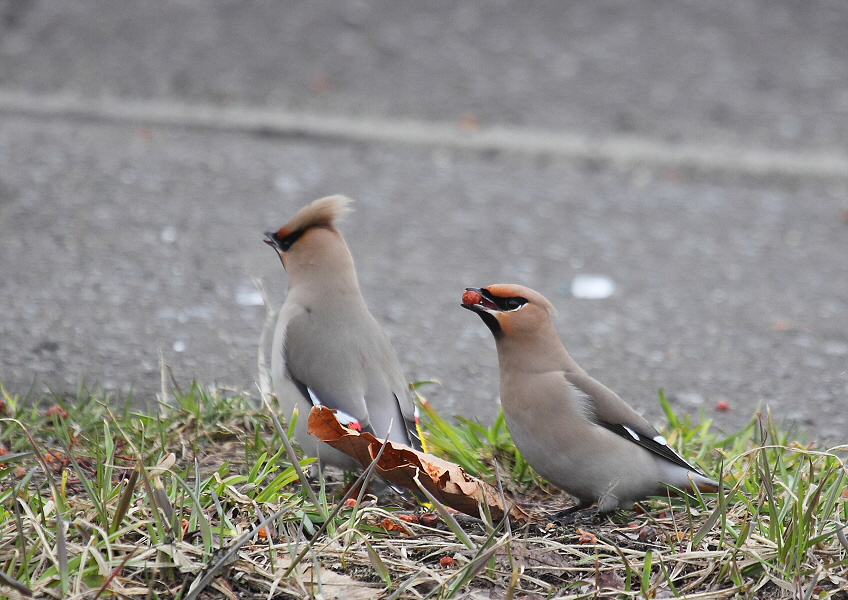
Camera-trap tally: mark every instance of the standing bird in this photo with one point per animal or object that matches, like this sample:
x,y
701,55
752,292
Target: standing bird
x,y
328,350
577,433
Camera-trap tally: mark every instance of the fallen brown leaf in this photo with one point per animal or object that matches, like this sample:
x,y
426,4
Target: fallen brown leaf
x,y
541,560
409,518
587,537
608,580
390,525
333,586
647,534
56,411
429,519
401,465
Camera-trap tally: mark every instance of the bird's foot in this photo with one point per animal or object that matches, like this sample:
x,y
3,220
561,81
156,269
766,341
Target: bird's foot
x,y
573,514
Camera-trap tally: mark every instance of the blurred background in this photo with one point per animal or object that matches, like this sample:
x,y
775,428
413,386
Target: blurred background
x,y
673,176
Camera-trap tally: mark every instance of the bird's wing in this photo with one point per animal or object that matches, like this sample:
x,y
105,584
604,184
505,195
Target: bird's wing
x,y
324,369
354,372
651,440
412,429
409,418
388,393
603,407
403,396
323,399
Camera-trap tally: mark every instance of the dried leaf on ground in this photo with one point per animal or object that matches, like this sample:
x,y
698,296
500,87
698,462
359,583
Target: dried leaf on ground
x,y
390,525
333,585
400,465
609,580
587,537
539,559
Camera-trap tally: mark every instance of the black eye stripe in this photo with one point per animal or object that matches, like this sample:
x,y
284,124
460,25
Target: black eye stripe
x,y
287,242
505,304
508,304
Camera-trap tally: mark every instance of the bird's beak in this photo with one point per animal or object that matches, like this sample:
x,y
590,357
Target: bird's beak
x,y
271,240
474,299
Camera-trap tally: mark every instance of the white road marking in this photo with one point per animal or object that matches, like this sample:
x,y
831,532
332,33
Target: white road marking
x,y
614,149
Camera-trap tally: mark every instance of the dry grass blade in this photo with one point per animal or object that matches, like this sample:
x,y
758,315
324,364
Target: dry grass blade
x,y
199,584
446,516
361,482
477,564
267,327
304,482
62,555
717,513
14,584
154,503
377,562
163,395
403,587
125,500
840,535
115,573
125,542
517,571
57,497
164,503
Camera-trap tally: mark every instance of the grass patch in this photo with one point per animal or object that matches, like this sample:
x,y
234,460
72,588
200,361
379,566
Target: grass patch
x,y
203,499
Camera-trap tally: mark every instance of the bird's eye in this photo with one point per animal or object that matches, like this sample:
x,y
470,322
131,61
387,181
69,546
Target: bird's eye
x,y
513,303
287,242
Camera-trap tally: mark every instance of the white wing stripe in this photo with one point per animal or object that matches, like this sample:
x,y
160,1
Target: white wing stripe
x,y
315,400
341,416
632,433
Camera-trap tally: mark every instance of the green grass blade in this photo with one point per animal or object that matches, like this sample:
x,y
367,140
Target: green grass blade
x,y
377,562
447,517
62,556
125,500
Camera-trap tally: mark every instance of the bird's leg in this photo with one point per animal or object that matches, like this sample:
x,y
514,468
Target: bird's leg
x,y
581,510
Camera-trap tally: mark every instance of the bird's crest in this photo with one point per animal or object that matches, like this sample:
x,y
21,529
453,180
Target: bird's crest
x,y
320,213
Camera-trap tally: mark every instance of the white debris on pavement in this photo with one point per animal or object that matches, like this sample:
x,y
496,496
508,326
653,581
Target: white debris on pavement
x,y
592,287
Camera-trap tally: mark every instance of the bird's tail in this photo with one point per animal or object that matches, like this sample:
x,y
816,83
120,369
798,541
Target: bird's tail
x,y
704,484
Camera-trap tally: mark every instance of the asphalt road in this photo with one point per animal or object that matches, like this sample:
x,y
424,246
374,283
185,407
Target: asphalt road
x,y
131,222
